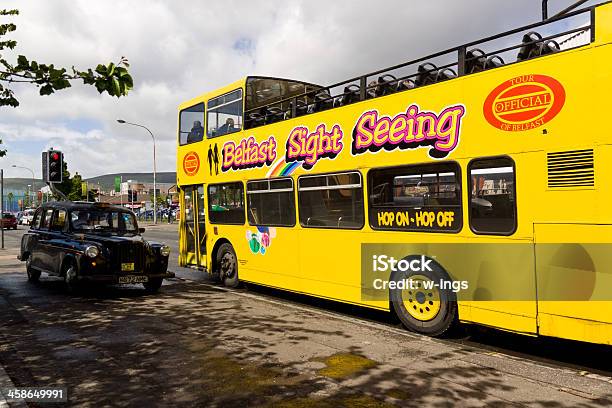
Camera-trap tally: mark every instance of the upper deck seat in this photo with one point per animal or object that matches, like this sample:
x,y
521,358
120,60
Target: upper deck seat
x,y
475,61
445,74
255,119
322,101
350,95
387,84
301,108
533,46
405,84
427,74
274,114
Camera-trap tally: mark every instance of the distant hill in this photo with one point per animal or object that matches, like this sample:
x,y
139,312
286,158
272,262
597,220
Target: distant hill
x,y
107,181
21,183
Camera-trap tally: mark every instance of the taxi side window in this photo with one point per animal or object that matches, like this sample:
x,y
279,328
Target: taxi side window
x,y
36,219
46,219
59,220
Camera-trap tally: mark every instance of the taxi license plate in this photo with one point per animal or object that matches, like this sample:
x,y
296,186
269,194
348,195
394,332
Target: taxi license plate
x,y
127,267
133,279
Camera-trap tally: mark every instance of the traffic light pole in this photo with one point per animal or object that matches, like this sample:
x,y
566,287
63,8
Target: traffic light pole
x,y
56,191
2,203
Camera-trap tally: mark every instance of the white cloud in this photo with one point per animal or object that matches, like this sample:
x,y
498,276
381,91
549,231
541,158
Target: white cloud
x,y
179,49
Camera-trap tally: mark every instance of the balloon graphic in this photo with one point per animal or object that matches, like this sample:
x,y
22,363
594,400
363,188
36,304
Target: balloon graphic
x,y
254,244
265,240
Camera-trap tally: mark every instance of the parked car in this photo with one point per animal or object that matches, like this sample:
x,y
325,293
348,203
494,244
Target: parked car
x,y
26,216
92,242
8,221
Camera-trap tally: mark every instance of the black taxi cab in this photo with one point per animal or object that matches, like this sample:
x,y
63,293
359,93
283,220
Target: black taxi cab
x,y
92,242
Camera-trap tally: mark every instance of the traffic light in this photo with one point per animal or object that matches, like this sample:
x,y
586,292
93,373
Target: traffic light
x,y
55,168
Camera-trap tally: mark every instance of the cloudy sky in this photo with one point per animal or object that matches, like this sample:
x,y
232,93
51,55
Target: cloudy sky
x,y
179,49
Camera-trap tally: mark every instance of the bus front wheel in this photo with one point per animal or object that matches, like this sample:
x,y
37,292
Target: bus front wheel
x,y
227,265
422,304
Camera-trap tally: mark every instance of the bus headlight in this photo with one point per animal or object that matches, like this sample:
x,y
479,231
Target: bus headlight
x,y
92,251
164,250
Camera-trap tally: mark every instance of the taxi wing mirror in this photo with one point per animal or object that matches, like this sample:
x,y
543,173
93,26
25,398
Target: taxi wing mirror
x,y
141,230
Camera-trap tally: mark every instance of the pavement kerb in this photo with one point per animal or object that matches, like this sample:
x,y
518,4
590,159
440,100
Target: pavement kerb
x,y
5,384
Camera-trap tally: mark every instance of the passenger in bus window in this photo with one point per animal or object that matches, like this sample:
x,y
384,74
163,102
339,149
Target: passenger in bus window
x,y
228,127
197,132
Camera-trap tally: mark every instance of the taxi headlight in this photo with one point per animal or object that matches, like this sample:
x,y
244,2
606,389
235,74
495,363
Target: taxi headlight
x,y
164,250
92,251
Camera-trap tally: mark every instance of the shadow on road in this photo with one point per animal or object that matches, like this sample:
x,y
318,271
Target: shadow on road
x,y
196,345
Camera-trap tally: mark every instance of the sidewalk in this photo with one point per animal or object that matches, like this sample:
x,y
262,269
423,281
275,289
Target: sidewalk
x,y
6,383
8,259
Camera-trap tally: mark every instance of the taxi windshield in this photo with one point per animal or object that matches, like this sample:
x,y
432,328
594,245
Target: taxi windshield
x,y
103,221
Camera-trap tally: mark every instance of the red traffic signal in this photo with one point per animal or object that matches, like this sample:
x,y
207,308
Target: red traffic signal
x,y
55,166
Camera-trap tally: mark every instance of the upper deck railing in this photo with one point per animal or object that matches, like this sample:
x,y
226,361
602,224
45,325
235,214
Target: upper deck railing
x,y
458,61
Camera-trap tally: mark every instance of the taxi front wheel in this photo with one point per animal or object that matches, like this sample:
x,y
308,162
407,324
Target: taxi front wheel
x,y
33,274
153,285
71,279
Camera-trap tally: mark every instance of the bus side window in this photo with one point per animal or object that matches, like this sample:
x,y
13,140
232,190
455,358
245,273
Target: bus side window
x,y
492,196
191,127
225,114
271,202
226,203
424,198
331,201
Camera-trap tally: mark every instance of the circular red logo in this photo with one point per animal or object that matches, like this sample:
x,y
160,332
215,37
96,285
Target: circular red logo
x,y
524,103
191,163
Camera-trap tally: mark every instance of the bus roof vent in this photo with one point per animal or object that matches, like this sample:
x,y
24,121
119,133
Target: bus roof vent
x,y
574,168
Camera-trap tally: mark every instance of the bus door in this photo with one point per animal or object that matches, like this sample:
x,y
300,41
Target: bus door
x,y
193,249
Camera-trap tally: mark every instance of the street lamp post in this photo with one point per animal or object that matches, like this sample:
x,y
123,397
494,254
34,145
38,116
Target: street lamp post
x,y
31,171
154,167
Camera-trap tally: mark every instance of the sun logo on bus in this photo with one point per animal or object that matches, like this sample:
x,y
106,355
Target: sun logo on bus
x,y
524,103
191,163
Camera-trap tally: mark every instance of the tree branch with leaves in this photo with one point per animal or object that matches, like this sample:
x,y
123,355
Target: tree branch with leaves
x,y
112,78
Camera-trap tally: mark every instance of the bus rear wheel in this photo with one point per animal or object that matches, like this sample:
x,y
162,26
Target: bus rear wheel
x,y
424,307
227,265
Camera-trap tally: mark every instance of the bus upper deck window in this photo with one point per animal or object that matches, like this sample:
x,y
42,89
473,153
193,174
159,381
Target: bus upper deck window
x,y
492,196
225,114
191,129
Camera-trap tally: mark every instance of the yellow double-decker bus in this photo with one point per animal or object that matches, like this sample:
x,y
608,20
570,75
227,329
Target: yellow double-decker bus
x,y
466,186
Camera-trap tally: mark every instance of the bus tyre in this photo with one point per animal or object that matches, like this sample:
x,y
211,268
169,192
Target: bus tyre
x,y
422,308
33,274
227,266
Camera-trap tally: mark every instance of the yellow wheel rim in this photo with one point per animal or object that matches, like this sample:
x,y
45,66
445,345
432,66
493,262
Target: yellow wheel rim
x,y
420,301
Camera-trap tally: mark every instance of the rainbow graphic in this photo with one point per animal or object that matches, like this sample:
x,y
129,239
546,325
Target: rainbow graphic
x,y
281,168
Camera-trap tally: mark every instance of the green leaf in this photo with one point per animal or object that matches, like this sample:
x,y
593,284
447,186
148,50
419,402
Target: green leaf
x,y
46,90
116,88
101,86
6,12
101,69
22,62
